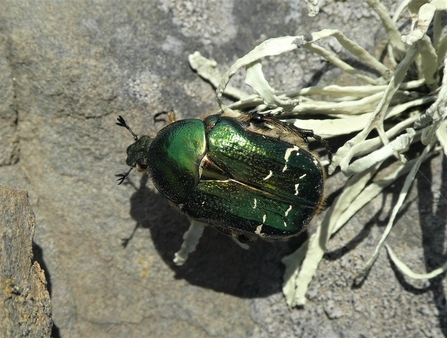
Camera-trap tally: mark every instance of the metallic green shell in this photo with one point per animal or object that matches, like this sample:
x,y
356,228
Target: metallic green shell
x,y
174,159
273,188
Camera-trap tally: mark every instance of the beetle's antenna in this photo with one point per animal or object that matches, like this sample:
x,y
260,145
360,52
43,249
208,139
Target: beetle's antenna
x,y
122,177
122,123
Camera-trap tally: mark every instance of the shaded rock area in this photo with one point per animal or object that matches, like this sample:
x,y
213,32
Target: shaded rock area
x,y
69,68
25,309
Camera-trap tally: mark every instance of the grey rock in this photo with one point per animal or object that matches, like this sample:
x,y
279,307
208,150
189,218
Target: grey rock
x,y
68,69
25,309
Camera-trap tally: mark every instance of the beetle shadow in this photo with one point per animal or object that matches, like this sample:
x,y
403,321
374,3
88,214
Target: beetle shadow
x,y
218,263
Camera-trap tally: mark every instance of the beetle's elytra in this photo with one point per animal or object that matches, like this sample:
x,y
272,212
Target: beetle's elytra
x,y
246,174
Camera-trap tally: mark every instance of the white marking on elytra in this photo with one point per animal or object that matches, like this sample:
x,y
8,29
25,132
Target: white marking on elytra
x,y
296,189
268,176
288,210
255,203
302,176
258,230
285,224
289,152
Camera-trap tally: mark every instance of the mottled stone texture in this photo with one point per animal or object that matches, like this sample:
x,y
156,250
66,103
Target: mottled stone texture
x,y
69,68
25,305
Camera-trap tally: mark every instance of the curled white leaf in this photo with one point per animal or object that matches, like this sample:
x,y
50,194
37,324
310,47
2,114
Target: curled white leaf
x,y
408,272
362,164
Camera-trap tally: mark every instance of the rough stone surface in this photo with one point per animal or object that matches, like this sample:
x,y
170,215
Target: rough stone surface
x,y
25,305
68,69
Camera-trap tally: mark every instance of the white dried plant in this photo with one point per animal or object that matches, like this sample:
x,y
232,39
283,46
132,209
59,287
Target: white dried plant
x,y
361,109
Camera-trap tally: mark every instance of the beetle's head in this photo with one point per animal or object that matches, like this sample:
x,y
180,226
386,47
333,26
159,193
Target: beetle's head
x,y
136,153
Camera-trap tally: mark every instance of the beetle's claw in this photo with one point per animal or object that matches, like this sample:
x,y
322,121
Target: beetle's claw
x,y
121,122
122,177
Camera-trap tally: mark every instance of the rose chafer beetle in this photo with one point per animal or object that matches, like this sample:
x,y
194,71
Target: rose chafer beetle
x,y
246,174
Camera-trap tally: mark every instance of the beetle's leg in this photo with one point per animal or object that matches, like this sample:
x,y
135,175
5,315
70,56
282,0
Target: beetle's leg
x,y
169,119
305,133
325,143
122,177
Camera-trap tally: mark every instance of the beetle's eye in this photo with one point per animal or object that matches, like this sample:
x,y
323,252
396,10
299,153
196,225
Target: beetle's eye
x,y
141,166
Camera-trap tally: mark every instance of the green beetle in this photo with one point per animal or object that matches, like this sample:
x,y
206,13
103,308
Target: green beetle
x,y
246,174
